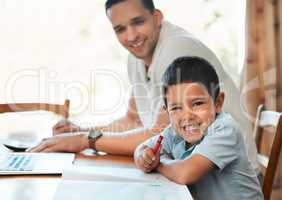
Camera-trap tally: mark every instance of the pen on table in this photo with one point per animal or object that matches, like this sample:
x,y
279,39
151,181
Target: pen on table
x,y
157,146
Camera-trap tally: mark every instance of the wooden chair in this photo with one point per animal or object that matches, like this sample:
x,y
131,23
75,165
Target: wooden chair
x,y
60,109
269,163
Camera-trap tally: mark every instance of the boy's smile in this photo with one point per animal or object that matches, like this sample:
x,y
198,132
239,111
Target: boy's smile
x,y
191,110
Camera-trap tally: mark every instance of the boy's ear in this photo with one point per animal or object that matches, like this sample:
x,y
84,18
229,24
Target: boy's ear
x,y
219,102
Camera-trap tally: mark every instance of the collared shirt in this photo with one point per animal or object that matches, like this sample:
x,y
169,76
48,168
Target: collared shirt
x,y
232,177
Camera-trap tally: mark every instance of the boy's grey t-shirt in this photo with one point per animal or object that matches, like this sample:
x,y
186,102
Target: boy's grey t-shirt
x,y
233,176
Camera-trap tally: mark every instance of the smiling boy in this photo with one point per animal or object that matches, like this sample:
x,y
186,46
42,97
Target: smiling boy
x,y
203,147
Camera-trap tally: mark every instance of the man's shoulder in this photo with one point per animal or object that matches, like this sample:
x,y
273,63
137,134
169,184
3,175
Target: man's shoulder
x,y
175,42
170,30
172,34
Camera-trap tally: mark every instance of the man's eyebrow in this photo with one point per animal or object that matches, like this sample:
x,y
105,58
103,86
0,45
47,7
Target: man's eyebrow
x,y
138,18
118,27
134,19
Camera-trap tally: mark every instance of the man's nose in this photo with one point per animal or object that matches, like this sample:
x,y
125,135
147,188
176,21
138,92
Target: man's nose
x,y
131,34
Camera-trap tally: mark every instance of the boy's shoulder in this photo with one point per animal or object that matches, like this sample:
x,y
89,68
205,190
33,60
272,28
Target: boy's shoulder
x,y
224,119
224,124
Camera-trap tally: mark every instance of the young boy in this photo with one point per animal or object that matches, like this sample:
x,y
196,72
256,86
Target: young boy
x,y
203,147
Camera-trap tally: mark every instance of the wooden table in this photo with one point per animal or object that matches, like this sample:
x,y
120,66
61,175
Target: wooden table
x,y
44,187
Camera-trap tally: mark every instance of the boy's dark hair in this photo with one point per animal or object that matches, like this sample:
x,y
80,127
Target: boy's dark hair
x,y
148,4
191,70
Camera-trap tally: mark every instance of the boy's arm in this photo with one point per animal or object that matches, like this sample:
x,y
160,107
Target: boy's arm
x,y
187,171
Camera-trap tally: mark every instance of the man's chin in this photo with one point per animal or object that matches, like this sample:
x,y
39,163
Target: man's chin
x,y
137,55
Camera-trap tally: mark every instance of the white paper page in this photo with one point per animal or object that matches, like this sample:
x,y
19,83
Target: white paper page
x,y
112,174
89,190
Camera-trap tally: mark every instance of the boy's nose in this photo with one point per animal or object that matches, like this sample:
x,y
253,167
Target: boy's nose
x,y
188,113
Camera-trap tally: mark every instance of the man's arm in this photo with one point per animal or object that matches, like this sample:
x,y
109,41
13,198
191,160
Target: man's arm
x,y
126,142
123,143
130,121
187,171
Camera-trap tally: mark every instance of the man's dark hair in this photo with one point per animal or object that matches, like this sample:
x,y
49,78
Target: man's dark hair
x,y
148,4
191,70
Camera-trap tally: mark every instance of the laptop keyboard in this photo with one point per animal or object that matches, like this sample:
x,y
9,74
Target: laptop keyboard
x,y
17,162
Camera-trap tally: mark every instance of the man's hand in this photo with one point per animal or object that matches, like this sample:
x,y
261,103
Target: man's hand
x,y
64,126
147,160
63,143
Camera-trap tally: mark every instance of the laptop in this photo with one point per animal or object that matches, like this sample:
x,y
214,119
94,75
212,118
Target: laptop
x,y
34,163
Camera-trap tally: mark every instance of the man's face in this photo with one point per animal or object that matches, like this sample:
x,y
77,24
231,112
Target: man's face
x,y
136,28
191,110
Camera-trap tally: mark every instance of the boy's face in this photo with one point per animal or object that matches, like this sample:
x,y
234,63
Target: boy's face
x,y
136,28
191,109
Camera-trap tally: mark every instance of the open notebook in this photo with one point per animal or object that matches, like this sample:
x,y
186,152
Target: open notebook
x,y
107,183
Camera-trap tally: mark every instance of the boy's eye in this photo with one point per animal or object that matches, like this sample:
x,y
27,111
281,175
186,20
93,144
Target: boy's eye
x,y
174,108
198,103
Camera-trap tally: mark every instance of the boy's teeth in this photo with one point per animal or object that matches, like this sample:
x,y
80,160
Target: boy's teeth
x,y
190,128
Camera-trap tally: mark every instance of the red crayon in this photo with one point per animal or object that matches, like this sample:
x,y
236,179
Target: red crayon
x,y
158,144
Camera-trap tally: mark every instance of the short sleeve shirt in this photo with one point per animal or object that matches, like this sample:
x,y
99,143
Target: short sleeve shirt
x,y
233,176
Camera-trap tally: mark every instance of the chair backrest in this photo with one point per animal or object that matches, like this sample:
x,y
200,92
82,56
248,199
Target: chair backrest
x,y
60,109
269,163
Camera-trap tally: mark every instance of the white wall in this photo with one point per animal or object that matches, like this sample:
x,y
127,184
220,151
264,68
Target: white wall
x,y
49,50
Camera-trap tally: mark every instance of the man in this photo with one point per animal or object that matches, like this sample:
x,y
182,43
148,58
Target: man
x,y
153,44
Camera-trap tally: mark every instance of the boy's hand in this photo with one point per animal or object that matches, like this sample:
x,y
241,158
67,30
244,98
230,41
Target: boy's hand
x,y
147,161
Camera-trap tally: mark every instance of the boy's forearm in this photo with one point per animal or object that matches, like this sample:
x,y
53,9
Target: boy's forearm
x,y
171,170
187,171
